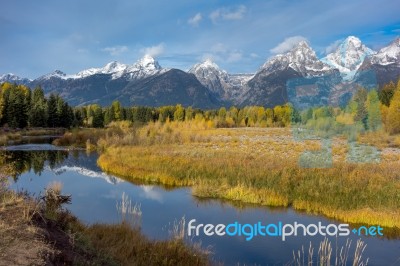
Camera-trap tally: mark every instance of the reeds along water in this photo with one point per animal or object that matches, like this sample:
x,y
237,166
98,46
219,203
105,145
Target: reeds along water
x,y
129,211
327,256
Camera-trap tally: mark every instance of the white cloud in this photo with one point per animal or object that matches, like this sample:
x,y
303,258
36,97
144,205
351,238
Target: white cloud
x,y
234,57
254,55
215,15
332,47
115,50
235,14
153,51
228,13
194,21
287,44
219,52
150,192
210,56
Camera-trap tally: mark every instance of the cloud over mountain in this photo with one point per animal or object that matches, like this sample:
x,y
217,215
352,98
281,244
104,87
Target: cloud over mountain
x,y
287,44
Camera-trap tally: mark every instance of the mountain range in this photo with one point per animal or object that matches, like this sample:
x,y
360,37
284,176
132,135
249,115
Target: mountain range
x,y
297,76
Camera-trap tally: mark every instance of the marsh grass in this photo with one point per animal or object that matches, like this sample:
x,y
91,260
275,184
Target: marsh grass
x,y
6,137
79,137
326,257
130,212
42,131
178,229
260,166
16,136
129,247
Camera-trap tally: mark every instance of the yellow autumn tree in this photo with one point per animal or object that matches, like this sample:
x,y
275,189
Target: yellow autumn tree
x,y
393,114
179,114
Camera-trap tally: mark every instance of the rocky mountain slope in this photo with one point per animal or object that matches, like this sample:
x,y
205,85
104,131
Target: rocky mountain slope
x,y
269,86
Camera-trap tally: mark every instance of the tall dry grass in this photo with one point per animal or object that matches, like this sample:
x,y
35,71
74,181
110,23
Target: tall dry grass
x,y
259,166
326,256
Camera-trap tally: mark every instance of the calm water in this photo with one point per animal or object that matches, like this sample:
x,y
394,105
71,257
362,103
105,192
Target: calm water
x,y
95,194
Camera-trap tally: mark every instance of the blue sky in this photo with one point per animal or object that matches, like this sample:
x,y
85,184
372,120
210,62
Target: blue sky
x,y
38,37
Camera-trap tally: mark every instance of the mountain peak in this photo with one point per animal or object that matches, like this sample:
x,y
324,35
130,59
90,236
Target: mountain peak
x,y
59,73
389,54
353,39
302,44
55,74
113,67
147,62
301,58
395,43
348,56
208,63
9,76
12,78
211,76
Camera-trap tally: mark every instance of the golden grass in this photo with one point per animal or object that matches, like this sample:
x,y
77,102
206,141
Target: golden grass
x,y
261,166
6,137
129,247
380,139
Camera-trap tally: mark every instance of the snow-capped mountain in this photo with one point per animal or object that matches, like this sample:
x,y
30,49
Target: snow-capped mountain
x,y
348,57
269,85
225,86
55,74
302,59
388,55
14,79
380,68
211,76
142,83
110,68
206,85
144,67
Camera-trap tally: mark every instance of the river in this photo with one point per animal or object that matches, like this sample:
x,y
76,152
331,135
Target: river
x,y
95,195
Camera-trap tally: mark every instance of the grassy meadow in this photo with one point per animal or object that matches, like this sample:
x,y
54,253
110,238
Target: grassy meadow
x,y
257,165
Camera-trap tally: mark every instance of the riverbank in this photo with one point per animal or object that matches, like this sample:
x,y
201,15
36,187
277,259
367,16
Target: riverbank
x,y
41,232
259,166
16,136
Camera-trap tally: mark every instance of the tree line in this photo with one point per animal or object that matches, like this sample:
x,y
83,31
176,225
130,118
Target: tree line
x,y
20,107
366,111
96,116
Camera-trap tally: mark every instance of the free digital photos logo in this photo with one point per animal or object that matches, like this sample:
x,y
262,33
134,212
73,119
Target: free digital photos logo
x,y
280,230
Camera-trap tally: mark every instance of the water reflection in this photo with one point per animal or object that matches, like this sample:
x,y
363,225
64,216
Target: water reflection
x,y
23,161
